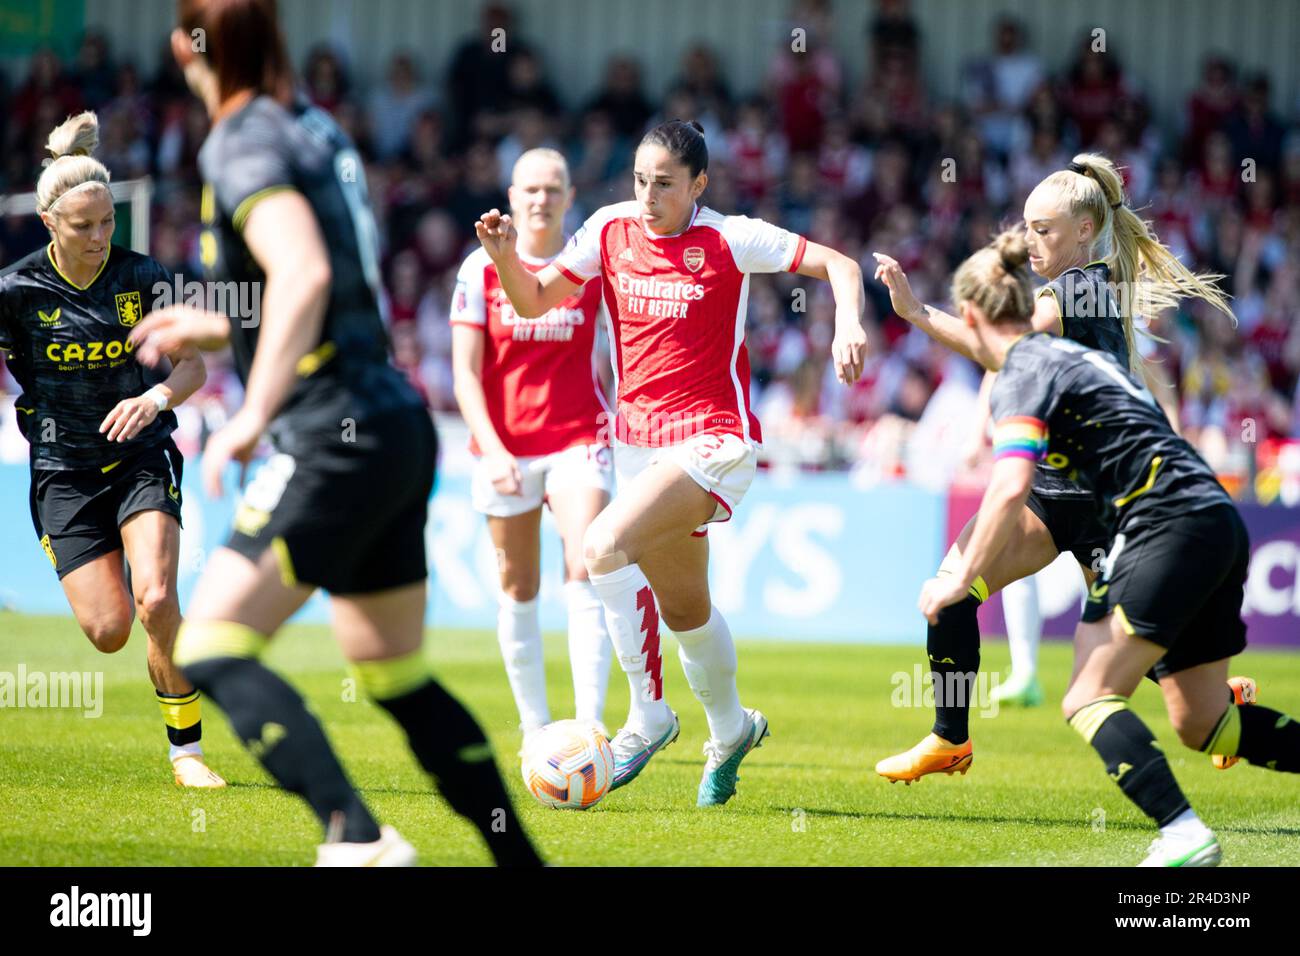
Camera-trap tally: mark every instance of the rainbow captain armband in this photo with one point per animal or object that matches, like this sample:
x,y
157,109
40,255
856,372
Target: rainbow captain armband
x,y
1020,437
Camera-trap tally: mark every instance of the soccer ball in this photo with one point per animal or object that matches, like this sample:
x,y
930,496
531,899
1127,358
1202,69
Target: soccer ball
x,y
568,765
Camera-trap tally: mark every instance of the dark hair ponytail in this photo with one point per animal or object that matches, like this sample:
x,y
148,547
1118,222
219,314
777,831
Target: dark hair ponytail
x,y
243,44
684,141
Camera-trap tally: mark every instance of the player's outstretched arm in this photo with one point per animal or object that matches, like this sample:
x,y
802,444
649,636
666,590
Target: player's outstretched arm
x,y
1005,498
945,329
531,294
849,348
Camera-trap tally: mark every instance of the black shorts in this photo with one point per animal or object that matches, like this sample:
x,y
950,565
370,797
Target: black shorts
x,y
1074,526
1180,583
345,515
77,513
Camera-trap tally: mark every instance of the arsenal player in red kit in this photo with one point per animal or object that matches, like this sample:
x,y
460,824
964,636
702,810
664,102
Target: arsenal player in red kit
x,y
530,393
674,276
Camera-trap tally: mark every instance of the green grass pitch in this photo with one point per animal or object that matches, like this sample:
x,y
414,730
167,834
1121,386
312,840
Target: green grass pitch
x,y
78,791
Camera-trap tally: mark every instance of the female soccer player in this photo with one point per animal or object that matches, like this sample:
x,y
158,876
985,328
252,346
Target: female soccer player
x,y
1084,239
529,391
675,278
106,476
1020,607
1175,574
342,503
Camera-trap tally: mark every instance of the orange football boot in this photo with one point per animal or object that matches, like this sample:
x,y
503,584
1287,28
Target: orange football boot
x,y
931,755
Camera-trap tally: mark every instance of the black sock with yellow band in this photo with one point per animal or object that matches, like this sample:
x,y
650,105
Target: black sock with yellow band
x,y
1133,758
220,659
451,747
953,646
1263,736
182,715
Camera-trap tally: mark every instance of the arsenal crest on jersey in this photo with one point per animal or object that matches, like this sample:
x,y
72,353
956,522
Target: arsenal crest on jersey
x,y
693,258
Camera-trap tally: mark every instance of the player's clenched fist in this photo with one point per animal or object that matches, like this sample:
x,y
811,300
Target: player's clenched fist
x,y
496,232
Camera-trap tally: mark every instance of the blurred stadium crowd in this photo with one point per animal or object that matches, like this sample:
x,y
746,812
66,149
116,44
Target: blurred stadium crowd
x,y
858,166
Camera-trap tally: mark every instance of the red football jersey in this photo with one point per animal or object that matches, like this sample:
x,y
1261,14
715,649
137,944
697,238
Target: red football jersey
x,y
539,375
676,307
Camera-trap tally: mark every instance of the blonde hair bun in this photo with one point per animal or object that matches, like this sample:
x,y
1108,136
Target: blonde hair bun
x,y
72,166
76,136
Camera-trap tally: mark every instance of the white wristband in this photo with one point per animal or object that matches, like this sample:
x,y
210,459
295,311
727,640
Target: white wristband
x,y
158,397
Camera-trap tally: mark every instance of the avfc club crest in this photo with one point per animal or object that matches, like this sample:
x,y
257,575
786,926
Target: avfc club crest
x,y
693,258
129,311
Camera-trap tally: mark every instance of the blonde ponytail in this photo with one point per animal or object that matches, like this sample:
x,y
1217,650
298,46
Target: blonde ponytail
x,y
71,165
1151,276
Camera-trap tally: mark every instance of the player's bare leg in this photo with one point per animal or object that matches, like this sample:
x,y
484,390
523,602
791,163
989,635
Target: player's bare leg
x,y
517,540
652,521
151,540
1229,725
1109,670
679,575
953,649
657,510
381,634
590,650
97,594
1240,692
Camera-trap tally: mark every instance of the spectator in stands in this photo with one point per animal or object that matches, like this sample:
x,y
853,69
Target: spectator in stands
x,y
477,79
622,99
394,107
325,79
1209,106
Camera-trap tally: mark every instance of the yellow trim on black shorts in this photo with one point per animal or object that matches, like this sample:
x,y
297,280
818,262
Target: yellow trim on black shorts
x,y
310,363
282,557
1123,621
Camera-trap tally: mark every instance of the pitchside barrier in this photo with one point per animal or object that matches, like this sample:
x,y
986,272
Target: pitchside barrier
x,y
807,557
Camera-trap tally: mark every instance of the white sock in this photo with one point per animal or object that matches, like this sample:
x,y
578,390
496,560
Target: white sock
x,y
1024,626
1187,826
590,650
632,618
520,637
184,750
708,657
